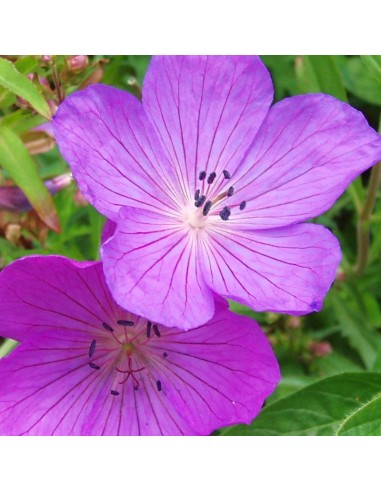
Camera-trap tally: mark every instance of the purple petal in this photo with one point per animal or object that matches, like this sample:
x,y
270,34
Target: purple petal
x,y
305,155
206,110
219,374
49,292
215,375
108,230
113,151
287,269
151,269
48,388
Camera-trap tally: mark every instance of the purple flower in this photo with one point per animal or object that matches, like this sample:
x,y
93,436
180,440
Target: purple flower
x,y
85,366
208,186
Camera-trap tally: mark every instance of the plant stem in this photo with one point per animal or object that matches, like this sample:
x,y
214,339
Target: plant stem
x,y
363,220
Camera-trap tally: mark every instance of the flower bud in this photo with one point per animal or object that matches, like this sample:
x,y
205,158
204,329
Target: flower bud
x,y
320,349
294,322
77,63
44,83
46,59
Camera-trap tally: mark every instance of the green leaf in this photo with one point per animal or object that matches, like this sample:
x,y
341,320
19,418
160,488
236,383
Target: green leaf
x,y
352,326
334,406
15,158
6,98
361,77
321,74
19,84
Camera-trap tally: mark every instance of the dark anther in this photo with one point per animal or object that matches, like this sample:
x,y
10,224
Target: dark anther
x,y
165,355
197,195
200,202
149,324
158,385
92,348
207,207
230,191
107,327
94,366
226,174
225,213
115,393
136,387
123,322
202,176
156,330
242,205
211,177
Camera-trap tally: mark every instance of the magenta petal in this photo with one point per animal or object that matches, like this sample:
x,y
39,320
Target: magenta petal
x,y
113,150
151,268
287,269
220,373
49,292
306,153
108,230
206,110
68,375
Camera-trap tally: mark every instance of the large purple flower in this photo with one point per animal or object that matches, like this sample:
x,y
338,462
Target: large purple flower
x,y
85,366
208,186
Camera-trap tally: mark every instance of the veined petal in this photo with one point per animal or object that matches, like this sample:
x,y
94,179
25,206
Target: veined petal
x,y
206,110
306,153
285,270
48,388
66,380
113,151
108,230
39,292
219,372
151,268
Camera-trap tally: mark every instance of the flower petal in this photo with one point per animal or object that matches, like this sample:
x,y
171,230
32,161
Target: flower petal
x,y
108,230
151,268
191,382
48,388
219,374
206,110
285,270
305,155
39,292
113,151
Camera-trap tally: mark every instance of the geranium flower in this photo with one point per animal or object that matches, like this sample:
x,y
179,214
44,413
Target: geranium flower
x,y
85,366
208,186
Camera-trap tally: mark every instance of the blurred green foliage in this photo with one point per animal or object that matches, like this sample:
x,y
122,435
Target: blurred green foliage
x,y
331,360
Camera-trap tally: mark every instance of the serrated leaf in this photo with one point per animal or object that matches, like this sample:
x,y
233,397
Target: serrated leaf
x,y
15,158
19,84
323,408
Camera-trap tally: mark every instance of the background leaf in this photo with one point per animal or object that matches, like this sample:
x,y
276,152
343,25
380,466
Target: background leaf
x,y
360,77
323,408
15,158
19,84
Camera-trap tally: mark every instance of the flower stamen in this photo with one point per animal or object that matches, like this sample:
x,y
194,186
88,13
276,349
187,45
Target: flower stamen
x,y
123,322
92,348
156,330
202,200
149,324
